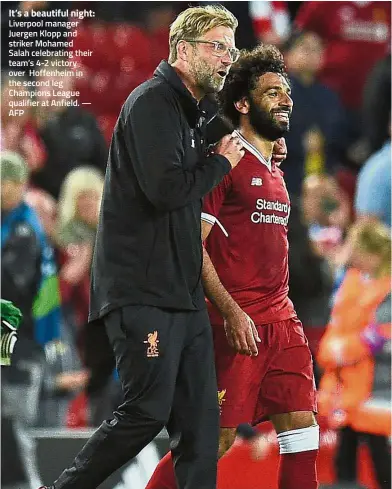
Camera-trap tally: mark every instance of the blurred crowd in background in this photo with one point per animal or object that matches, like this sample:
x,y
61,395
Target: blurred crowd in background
x,y
53,162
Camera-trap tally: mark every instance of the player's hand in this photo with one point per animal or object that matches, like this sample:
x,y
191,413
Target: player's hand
x,y
241,332
279,151
230,147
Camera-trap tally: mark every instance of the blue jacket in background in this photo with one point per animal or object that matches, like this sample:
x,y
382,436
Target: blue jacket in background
x,y
16,226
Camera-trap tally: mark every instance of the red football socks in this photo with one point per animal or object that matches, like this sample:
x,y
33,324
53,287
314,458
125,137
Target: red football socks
x,y
298,470
163,476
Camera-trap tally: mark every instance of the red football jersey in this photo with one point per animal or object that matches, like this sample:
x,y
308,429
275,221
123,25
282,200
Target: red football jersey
x,y
248,243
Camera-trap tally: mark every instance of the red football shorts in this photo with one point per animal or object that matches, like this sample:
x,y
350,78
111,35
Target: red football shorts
x,y
279,380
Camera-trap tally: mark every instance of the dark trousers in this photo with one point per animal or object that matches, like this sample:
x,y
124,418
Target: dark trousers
x,y
166,366
346,456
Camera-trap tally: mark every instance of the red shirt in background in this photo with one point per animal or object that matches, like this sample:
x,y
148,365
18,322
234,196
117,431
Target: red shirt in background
x,y
248,242
356,35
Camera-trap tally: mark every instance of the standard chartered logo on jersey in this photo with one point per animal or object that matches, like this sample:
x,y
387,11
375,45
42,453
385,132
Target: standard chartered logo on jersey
x,y
266,212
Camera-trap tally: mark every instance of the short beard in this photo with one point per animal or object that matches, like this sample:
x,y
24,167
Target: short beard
x,y
264,124
205,78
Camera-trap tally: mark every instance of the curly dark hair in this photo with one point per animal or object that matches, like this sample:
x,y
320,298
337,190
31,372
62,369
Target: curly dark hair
x,y
243,76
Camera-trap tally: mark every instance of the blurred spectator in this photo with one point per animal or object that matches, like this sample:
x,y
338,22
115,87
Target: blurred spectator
x,y
326,210
46,208
20,279
28,277
355,353
71,136
78,211
28,268
157,19
309,279
271,21
372,203
18,132
356,36
377,105
373,196
317,126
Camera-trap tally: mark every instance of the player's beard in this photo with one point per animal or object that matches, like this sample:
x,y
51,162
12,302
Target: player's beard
x,y
205,76
265,124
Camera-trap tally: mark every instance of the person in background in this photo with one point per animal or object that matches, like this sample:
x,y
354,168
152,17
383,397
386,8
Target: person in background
x,y
16,476
373,194
376,105
356,35
310,281
355,353
63,357
70,134
75,231
11,317
77,221
19,133
317,138
327,214
28,279
372,203
46,208
29,274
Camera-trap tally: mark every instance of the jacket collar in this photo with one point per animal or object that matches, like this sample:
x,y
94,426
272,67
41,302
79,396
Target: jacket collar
x,y
197,113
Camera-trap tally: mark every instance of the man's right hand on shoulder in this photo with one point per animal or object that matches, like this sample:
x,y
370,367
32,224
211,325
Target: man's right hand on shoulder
x,y
230,147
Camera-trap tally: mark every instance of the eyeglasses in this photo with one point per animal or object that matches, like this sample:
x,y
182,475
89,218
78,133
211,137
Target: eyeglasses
x,y
220,49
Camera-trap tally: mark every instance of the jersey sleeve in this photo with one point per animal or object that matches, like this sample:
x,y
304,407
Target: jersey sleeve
x,y
213,201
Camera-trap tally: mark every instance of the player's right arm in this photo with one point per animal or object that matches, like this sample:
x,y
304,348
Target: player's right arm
x,y
240,330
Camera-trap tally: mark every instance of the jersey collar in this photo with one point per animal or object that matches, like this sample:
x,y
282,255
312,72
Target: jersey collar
x,y
254,151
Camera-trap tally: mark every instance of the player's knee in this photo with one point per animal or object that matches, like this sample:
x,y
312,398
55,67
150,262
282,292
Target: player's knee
x,y
226,439
293,421
299,440
297,431
156,419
